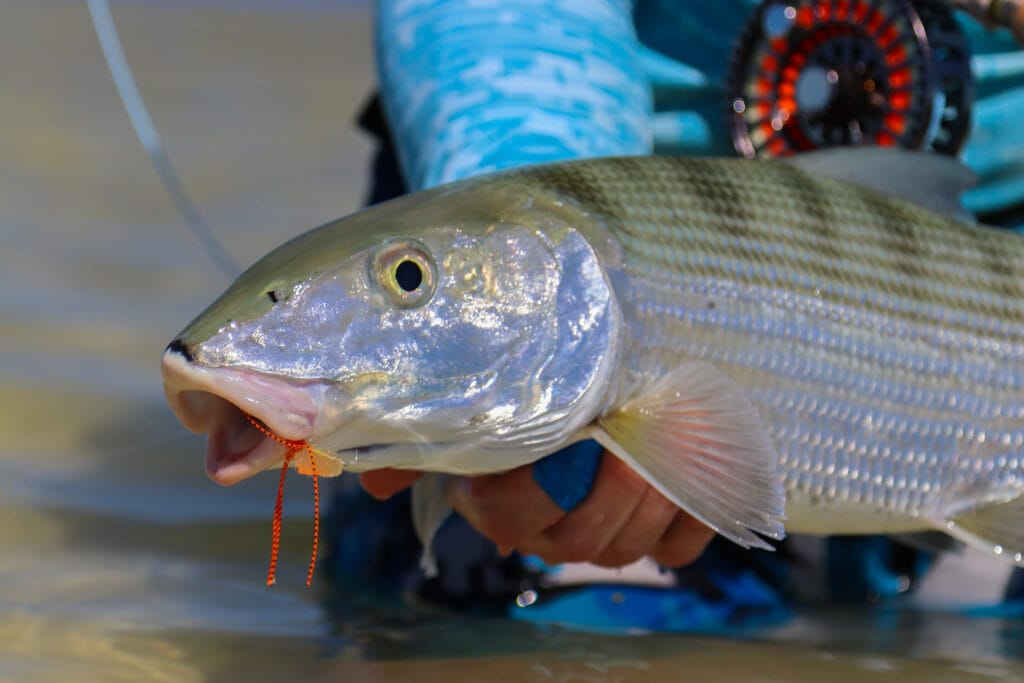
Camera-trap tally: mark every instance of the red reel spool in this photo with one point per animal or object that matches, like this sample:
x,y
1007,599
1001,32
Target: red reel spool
x,y
818,73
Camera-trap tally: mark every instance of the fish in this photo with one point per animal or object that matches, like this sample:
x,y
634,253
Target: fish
x,y
819,344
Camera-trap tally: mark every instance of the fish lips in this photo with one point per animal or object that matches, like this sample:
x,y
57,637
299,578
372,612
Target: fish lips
x,y
215,400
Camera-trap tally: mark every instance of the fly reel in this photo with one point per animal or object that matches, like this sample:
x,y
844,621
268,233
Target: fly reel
x,y
808,74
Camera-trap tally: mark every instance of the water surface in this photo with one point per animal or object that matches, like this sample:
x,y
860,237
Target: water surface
x,y
120,561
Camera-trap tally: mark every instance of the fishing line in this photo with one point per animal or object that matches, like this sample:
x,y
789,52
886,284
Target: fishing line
x,y
294,447
147,444
145,130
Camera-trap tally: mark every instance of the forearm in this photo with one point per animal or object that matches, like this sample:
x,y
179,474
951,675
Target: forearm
x,y
470,88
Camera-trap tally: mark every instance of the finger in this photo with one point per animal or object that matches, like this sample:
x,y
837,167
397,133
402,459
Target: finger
x,y
639,535
683,541
384,483
507,508
583,533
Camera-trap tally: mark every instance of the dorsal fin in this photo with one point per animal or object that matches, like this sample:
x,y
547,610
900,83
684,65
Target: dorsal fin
x,y
931,180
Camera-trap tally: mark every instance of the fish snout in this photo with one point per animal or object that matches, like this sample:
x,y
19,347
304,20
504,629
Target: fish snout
x,y
219,401
191,388
181,348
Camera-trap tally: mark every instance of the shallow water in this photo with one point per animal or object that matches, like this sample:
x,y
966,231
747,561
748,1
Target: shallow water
x,y
120,561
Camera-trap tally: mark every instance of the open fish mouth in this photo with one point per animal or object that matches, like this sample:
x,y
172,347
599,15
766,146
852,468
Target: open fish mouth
x,y
217,401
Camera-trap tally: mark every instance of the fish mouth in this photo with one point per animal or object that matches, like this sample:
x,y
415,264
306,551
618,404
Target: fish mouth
x,y
218,401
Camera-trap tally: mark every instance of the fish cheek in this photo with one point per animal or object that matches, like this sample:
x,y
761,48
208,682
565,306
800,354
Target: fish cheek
x,y
501,279
501,289
455,357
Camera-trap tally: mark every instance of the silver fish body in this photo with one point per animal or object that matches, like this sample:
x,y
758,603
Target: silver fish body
x,y
790,333
881,343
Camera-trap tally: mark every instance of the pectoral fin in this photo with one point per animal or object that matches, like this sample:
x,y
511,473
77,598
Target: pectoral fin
x,y
696,438
429,511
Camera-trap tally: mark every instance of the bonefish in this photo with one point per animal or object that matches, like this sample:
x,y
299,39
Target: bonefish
x,y
775,346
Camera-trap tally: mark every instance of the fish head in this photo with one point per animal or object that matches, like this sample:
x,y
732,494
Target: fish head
x,y
460,330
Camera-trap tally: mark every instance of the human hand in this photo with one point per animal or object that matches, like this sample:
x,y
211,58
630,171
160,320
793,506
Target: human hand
x,y
621,520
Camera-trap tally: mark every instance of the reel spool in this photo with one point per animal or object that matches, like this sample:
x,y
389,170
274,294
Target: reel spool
x,y
808,74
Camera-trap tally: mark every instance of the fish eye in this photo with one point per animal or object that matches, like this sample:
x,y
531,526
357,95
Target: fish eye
x,y
408,275
406,271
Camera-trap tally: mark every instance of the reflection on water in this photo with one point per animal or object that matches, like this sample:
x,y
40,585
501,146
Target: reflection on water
x,y
120,561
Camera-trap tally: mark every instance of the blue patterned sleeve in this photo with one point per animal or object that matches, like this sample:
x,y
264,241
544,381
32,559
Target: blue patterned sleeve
x,y
472,86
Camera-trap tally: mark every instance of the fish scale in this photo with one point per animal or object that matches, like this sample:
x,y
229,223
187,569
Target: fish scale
x,y
906,394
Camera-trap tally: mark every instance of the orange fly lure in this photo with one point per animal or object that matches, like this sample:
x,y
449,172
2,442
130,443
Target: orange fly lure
x,y
293,447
